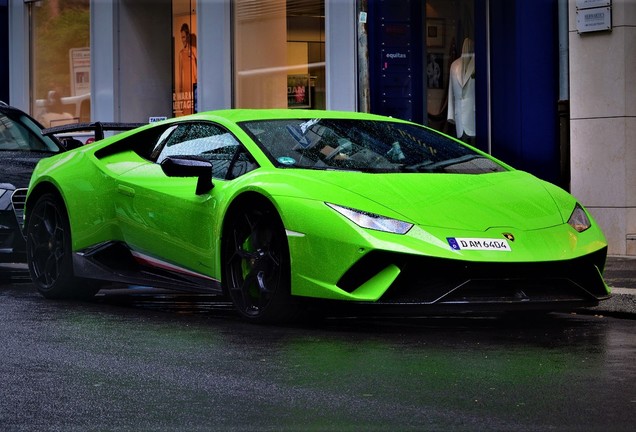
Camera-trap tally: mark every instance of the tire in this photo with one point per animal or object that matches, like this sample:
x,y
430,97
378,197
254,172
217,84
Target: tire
x,y
49,255
257,272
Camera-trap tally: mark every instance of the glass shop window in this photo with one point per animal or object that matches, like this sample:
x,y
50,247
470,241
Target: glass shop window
x,y
450,67
279,54
60,68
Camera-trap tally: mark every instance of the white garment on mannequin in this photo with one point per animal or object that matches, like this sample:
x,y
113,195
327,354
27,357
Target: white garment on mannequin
x,y
461,92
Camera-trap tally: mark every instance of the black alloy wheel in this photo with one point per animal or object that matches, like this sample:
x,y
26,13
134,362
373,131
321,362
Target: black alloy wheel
x,y
257,268
49,251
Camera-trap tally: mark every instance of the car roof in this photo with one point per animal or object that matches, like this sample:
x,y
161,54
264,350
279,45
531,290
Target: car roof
x,y
6,108
9,110
247,114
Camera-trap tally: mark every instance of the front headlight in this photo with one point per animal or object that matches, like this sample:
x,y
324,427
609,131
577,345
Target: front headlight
x,y
579,220
372,221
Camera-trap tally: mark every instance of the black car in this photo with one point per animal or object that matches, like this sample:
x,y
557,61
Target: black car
x,y
23,142
22,145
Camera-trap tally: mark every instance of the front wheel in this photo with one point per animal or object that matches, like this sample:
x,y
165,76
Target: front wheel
x,y
49,254
257,266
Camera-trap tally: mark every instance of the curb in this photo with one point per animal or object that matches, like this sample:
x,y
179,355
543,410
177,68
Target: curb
x,y
620,275
622,302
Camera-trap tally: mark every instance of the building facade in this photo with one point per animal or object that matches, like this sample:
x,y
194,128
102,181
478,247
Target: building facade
x,y
603,122
539,84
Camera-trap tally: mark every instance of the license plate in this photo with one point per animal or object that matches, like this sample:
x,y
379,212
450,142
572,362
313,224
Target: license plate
x,y
485,244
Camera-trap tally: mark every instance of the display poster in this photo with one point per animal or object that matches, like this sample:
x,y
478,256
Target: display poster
x,y
298,91
185,65
80,65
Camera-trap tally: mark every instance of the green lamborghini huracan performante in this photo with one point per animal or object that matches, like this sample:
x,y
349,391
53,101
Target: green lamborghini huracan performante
x,y
281,210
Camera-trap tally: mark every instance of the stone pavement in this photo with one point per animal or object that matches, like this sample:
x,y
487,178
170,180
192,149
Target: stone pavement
x,y
620,275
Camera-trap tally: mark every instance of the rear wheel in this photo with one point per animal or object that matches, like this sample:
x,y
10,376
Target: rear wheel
x,y
257,265
49,254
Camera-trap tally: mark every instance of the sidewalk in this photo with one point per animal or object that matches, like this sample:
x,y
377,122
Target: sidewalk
x,y
620,275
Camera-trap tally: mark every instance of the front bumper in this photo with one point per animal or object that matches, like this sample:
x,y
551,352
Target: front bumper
x,y
551,268
12,244
448,283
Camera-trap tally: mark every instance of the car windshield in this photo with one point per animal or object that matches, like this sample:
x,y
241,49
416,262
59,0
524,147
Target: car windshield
x,y
20,133
364,145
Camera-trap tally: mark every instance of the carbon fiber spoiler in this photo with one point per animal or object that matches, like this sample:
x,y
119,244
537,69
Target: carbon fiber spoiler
x,y
98,127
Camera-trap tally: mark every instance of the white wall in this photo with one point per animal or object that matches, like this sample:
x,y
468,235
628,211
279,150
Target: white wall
x,y
130,60
145,59
341,55
19,55
603,124
215,54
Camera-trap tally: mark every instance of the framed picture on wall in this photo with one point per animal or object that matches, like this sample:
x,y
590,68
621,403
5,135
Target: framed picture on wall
x,y
435,29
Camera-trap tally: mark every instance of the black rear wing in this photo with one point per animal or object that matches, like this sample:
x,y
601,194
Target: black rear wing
x,y
98,127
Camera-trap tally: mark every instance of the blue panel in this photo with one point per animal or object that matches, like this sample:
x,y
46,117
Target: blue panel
x,y
481,72
4,51
524,85
395,63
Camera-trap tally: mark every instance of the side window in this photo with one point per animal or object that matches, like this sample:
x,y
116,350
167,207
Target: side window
x,y
204,141
16,136
161,142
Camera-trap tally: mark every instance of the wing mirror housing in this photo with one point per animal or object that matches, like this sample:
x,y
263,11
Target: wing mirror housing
x,y
190,167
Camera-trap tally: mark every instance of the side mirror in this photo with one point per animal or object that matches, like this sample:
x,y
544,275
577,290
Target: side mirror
x,y
184,167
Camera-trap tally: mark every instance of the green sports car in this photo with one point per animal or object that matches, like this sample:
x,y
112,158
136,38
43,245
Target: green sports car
x,y
281,210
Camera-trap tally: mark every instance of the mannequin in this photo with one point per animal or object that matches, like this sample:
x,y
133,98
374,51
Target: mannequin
x,y
461,93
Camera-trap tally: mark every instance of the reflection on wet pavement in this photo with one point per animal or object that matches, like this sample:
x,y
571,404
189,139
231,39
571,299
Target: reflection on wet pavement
x,y
165,300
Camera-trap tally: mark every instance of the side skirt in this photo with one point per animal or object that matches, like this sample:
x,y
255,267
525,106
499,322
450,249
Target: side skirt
x,y
116,262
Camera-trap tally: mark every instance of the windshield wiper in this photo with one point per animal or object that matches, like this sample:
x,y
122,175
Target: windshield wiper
x,y
429,165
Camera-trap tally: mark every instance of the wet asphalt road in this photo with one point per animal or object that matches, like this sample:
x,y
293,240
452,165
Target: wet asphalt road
x,y
153,361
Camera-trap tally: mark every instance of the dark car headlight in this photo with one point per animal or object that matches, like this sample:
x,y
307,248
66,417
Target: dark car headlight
x,y
579,220
372,221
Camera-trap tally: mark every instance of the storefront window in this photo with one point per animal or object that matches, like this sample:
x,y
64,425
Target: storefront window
x,y
279,54
450,67
60,62
184,36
